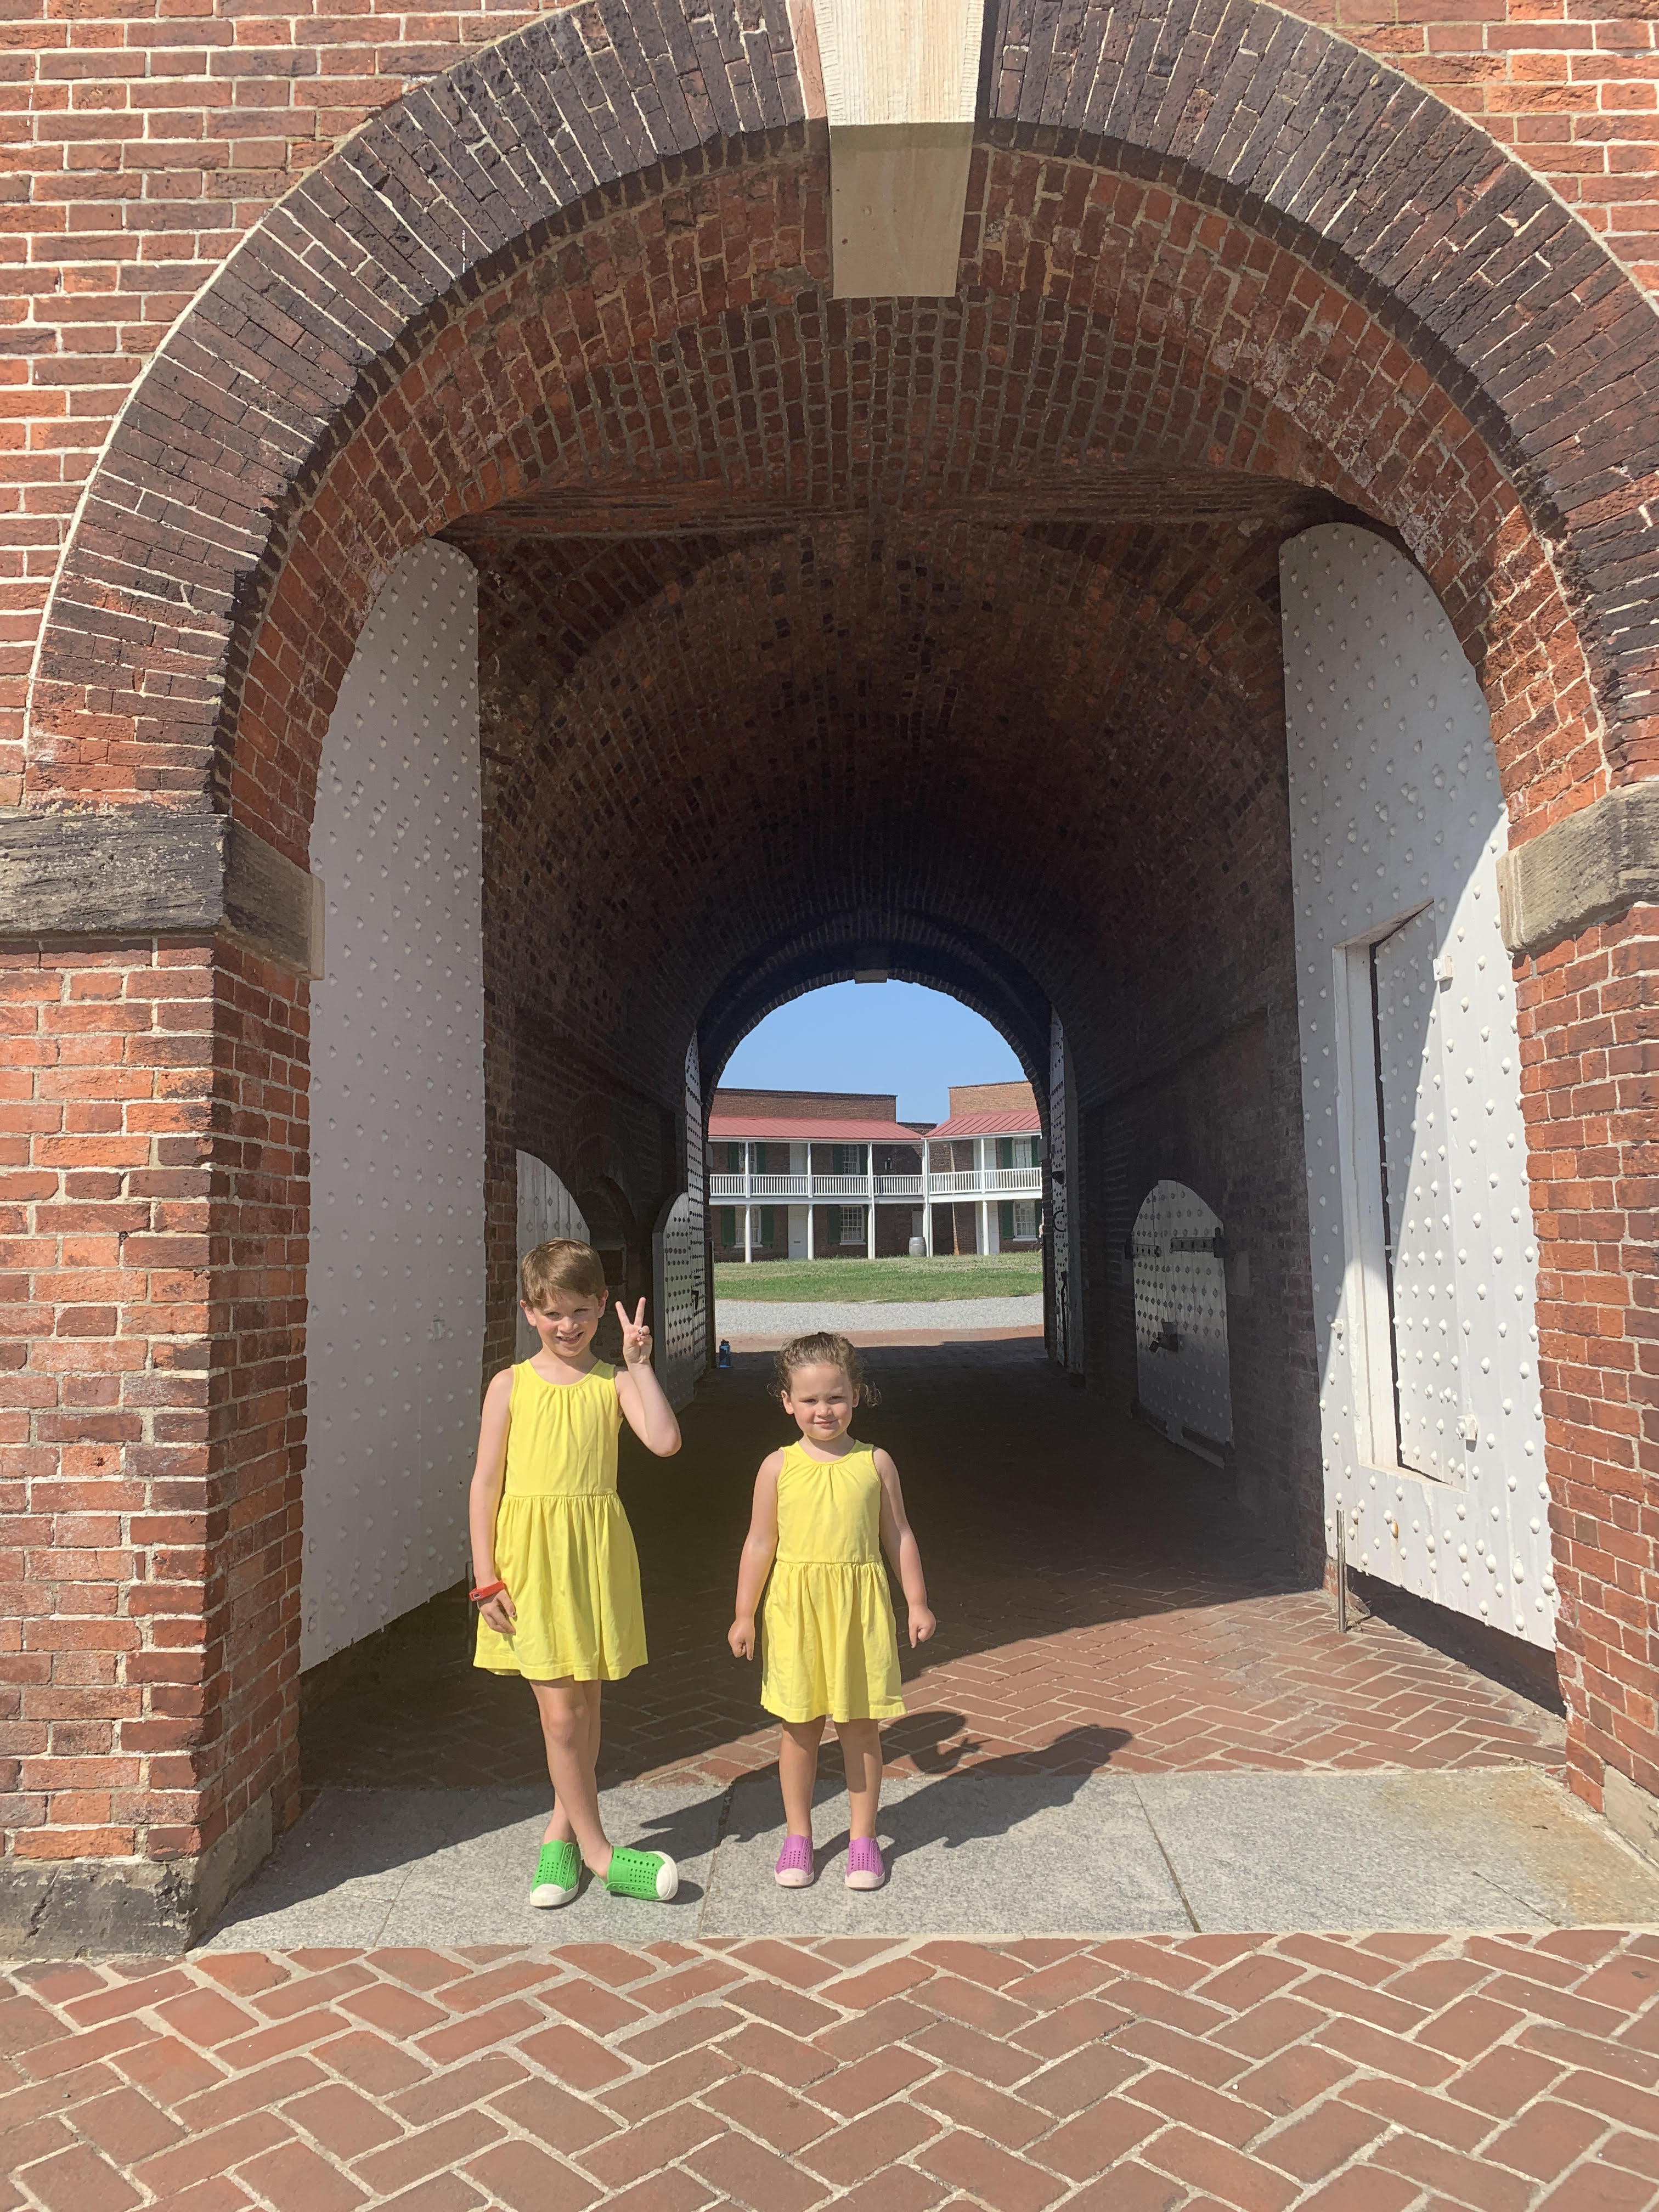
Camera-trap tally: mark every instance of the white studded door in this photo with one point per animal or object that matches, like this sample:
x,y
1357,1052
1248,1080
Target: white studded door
x,y
679,1320
546,1209
395,1315
1066,1338
1182,1374
1419,1217
679,1323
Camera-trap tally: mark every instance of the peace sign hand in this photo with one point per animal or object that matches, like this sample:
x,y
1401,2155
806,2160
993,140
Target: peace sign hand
x,y
636,1337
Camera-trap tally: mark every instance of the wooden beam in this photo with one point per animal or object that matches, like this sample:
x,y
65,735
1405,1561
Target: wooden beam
x,y
152,870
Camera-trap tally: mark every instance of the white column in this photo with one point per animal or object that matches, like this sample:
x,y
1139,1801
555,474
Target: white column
x,y
809,1202
927,1197
748,1232
982,1242
870,1211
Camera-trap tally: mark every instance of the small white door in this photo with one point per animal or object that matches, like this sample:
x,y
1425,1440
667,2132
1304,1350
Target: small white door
x,y
677,1319
546,1209
1181,1319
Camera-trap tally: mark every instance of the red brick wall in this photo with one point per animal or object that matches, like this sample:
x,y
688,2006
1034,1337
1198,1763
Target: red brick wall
x,y
809,1105
1588,1015
991,1097
154,1226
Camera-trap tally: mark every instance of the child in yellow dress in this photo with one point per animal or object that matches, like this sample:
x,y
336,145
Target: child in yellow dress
x,y
823,1509
557,1577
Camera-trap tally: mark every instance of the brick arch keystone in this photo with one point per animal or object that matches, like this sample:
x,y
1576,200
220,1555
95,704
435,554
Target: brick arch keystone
x,y
187,517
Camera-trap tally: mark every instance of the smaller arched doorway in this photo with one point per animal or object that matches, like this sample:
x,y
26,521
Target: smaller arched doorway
x,y
1182,1384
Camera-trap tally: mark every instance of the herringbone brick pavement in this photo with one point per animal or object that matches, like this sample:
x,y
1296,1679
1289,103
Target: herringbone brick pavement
x,y
1390,2074
1101,1597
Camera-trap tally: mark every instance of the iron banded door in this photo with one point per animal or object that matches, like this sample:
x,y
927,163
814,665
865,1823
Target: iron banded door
x,y
1411,1100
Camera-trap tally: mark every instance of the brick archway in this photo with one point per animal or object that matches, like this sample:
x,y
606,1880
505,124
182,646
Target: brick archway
x,y
599,355
1537,357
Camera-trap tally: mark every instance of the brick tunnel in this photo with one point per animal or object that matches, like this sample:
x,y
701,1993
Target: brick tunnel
x,y
528,623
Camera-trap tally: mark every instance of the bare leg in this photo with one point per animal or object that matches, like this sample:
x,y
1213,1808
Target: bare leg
x,y
861,1752
798,1770
558,1829
569,1729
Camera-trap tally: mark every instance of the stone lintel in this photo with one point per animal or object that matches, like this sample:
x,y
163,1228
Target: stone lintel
x,y
1592,866
154,871
127,1908
901,84
896,195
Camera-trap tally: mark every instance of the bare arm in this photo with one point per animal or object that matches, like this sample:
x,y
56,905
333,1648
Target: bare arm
x,y
645,1409
488,1473
759,1549
903,1550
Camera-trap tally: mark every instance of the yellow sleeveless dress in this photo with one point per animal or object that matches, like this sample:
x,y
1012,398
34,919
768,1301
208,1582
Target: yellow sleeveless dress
x,y
563,1546
829,1640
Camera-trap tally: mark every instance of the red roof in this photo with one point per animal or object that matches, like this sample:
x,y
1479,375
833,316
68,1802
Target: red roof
x,y
1016,1121
784,1128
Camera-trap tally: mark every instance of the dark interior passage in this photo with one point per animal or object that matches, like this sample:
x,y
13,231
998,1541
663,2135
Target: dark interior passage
x,y
1102,1601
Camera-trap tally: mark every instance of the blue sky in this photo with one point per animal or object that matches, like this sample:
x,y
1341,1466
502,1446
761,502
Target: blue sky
x,y
874,1037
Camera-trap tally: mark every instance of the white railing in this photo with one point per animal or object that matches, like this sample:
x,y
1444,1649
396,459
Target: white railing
x,y
961,1182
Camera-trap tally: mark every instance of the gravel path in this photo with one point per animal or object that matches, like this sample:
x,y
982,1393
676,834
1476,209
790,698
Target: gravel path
x,y
754,1317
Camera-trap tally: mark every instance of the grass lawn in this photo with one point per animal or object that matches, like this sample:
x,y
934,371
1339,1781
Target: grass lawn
x,y
843,1282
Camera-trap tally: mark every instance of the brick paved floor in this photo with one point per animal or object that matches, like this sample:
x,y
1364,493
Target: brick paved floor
x,y
1102,1601
1396,2074
1100,1597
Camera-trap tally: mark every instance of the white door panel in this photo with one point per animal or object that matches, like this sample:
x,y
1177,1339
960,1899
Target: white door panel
x,y
1410,1054
395,1313
546,1209
1181,1372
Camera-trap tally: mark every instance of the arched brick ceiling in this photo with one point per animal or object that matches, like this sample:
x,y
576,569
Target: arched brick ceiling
x,y
1005,757
1171,361
1247,206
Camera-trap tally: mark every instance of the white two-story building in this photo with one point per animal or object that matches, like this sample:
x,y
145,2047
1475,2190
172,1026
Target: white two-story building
x,y
827,1175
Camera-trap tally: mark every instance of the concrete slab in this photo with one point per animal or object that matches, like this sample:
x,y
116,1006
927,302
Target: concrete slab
x,y
1034,1855
1483,1848
970,1855
450,1867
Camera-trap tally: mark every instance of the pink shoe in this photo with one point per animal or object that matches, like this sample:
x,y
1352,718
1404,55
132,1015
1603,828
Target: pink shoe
x,y
794,1867
864,1868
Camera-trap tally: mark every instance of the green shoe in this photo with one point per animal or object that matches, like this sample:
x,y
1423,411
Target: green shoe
x,y
558,1874
641,1874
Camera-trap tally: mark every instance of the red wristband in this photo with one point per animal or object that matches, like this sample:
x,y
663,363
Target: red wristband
x,y
485,1591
